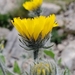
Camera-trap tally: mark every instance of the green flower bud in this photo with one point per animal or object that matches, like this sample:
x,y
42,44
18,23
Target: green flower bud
x,y
45,68
41,69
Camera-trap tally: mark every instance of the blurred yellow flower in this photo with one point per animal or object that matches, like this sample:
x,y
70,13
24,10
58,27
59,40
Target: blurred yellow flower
x,y
35,27
41,69
32,4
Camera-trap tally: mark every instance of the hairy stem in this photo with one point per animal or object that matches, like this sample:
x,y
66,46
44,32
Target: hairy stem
x,y
37,12
36,54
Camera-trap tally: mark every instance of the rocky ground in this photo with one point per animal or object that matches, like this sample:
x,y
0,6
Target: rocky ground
x,y
65,49
8,5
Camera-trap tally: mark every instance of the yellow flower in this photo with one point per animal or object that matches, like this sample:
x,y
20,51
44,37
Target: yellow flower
x,y
32,4
41,69
33,28
34,31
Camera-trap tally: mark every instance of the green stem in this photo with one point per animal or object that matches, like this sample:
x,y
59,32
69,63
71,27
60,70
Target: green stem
x,y
36,54
1,66
37,12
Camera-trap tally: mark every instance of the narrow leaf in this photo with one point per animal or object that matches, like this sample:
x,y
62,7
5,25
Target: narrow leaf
x,y
49,53
2,58
16,68
1,73
67,71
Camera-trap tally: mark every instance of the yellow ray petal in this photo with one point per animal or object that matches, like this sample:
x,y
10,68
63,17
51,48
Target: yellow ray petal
x,y
55,24
48,26
29,26
23,23
17,26
39,25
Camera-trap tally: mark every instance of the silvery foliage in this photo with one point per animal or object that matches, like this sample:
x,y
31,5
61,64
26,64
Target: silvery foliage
x,y
55,69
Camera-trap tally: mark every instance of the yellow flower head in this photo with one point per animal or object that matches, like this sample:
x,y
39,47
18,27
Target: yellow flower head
x,y
32,28
35,29
32,4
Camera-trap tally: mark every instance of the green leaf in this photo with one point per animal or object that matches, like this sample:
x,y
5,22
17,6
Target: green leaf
x,y
59,61
2,58
16,68
67,71
49,53
1,73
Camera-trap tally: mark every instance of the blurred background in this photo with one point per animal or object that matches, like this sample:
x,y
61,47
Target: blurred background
x,y
63,37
